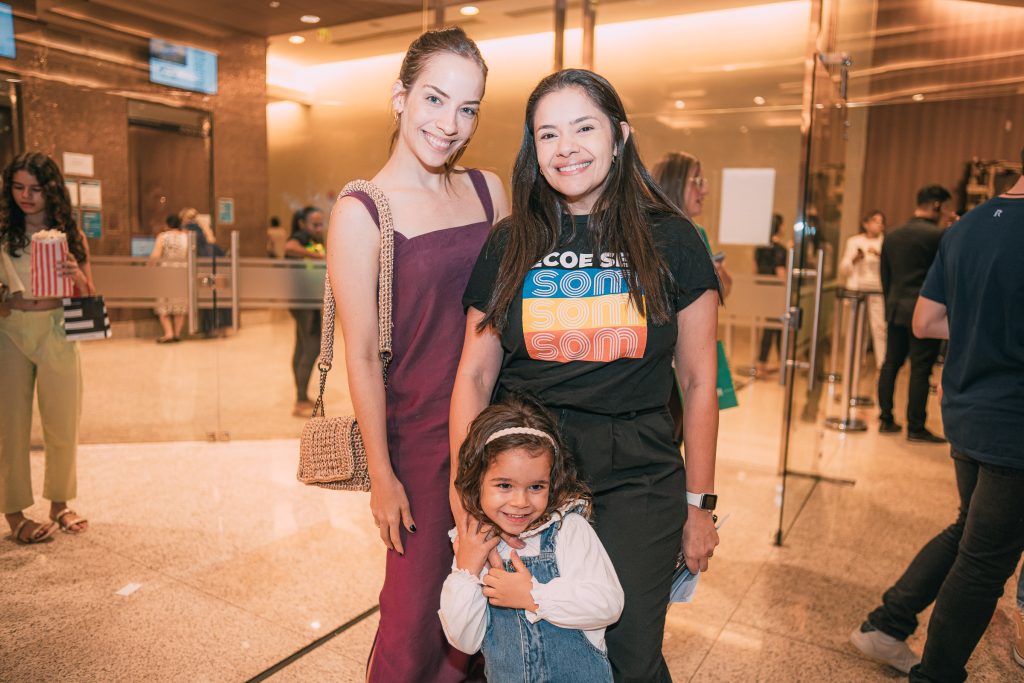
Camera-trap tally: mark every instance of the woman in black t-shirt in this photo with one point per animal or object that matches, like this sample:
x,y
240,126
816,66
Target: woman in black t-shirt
x,y
584,296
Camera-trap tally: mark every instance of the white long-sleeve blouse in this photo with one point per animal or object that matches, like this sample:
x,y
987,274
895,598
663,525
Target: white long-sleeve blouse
x,y
866,273
586,595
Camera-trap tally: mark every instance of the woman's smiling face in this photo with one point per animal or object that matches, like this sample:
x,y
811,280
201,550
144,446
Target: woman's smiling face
x,y
439,110
576,146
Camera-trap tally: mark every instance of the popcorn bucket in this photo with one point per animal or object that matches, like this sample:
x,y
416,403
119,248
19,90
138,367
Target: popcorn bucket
x,y
49,250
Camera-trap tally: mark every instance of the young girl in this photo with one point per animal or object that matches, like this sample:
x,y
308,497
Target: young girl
x,y
538,613
35,355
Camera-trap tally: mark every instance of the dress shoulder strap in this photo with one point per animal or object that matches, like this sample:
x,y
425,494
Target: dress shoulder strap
x,y
483,192
367,201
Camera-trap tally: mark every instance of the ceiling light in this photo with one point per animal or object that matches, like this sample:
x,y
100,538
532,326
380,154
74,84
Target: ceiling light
x,y
274,4
744,130
759,100
680,104
469,11
296,40
309,19
918,97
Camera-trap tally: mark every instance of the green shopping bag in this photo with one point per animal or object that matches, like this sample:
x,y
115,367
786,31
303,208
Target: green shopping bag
x,y
724,385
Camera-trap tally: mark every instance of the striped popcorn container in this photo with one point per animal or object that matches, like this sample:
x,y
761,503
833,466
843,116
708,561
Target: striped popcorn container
x,y
49,250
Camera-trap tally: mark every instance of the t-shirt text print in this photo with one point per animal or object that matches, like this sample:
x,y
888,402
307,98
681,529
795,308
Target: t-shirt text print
x,y
576,307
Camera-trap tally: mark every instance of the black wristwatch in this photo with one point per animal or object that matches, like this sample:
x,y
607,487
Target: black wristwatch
x,y
704,501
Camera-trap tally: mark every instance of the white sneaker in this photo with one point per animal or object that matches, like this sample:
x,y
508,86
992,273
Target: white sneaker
x,y
885,649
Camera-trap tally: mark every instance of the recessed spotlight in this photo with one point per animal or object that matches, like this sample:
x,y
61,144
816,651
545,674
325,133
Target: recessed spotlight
x,y
744,130
918,97
296,40
759,100
309,19
274,4
680,104
469,11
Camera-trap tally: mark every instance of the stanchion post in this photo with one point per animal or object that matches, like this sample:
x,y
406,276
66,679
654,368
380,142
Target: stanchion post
x,y
846,422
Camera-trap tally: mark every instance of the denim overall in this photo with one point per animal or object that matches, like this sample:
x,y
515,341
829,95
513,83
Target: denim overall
x,y
516,651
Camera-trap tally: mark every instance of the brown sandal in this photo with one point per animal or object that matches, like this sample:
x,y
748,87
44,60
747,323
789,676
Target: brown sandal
x,y
42,533
66,527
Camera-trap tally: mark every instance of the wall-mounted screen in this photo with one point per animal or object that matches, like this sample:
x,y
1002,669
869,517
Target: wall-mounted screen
x,y
6,31
142,245
183,67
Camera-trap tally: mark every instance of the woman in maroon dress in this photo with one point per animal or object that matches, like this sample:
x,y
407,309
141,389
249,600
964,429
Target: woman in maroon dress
x,y
442,214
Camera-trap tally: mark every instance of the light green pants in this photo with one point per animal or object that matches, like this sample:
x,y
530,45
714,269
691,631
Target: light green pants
x,y
34,353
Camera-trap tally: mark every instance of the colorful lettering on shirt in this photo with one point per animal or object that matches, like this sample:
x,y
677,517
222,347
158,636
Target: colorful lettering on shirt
x,y
583,314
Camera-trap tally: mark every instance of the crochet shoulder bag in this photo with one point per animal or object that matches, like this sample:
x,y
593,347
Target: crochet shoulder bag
x,y
331,451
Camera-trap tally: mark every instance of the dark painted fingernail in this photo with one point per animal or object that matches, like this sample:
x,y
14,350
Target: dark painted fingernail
x,y
412,528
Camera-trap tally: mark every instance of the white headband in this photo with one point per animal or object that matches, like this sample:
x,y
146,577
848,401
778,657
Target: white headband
x,y
520,430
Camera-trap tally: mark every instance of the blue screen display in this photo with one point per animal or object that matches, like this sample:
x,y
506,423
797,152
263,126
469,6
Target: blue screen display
x,y
6,31
142,245
183,67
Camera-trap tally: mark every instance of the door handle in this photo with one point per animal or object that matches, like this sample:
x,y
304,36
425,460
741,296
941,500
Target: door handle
x,y
819,278
787,319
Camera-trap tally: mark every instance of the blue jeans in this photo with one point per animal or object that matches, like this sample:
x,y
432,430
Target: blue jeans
x,y
963,570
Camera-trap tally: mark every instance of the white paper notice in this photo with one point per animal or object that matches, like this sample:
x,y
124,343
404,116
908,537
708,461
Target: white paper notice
x,y
78,164
90,194
748,200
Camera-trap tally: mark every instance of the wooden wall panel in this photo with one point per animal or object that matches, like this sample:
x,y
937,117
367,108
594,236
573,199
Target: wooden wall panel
x,y
912,145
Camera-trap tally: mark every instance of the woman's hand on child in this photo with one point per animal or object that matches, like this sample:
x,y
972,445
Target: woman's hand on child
x,y
391,511
473,543
509,589
699,539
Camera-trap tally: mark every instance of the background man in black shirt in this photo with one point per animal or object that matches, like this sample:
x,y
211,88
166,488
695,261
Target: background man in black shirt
x,y
907,253
974,296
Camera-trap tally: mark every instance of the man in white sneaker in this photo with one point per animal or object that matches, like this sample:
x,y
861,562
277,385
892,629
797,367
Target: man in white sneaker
x,y
974,295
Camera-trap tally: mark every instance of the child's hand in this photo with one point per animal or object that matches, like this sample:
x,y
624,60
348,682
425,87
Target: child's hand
x,y
509,589
474,541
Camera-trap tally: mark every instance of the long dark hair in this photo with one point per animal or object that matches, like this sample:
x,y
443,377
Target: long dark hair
x,y
672,172
619,221
476,455
301,216
57,202
452,40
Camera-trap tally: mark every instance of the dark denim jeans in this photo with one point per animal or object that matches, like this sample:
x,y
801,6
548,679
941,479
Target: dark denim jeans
x,y
963,570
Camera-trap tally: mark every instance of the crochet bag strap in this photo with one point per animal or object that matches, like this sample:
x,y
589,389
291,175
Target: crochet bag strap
x,y
385,279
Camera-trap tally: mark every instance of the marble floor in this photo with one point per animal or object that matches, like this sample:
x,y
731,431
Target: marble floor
x,y
206,561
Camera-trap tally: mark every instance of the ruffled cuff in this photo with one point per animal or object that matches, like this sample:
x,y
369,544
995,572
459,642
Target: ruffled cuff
x,y
537,593
464,575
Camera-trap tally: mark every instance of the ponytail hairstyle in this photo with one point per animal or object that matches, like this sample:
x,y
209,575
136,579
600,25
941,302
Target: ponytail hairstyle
x,y
452,40
619,222
57,201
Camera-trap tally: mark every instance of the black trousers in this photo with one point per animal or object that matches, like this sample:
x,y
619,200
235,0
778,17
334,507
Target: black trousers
x,y
307,348
636,474
900,343
963,570
769,335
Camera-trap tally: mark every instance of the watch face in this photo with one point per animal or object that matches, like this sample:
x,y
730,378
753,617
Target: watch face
x,y
709,502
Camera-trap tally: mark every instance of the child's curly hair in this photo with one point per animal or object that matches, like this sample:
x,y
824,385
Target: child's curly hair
x,y
476,455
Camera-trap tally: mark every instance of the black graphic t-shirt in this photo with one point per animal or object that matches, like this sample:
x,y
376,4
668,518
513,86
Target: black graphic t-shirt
x,y
573,337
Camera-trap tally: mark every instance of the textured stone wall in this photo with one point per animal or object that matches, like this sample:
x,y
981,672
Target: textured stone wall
x,y
74,94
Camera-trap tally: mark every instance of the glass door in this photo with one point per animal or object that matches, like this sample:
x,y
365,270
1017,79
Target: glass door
x,y
812,265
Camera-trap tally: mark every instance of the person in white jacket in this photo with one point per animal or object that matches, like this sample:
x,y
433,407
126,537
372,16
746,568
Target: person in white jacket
x,y
559,587
861,268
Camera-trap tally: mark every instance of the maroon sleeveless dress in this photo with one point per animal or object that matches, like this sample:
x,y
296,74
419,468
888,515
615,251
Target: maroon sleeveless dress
x,y
431,272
